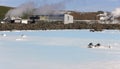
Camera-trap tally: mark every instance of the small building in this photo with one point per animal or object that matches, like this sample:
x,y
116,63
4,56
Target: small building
x,y
34,19
14,20
24,21
68,19
44,17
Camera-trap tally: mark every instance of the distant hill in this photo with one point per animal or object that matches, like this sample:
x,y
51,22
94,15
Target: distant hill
x,y
3,11
86,15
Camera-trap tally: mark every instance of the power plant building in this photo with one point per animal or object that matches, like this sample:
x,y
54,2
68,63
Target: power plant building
x,y
65,18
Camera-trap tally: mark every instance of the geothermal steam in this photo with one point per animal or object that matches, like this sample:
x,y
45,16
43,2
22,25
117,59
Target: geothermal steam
x,y
116,12
30,9
23,9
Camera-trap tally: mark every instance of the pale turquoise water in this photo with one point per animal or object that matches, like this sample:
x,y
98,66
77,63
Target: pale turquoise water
x,y
56,49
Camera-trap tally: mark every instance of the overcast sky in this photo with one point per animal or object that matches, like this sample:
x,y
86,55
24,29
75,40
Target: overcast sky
x,y
80,5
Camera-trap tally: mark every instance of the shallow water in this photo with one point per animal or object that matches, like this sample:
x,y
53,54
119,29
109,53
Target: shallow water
x,y
61,49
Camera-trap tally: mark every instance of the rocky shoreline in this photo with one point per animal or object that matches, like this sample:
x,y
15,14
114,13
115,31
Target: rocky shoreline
x,y
58,26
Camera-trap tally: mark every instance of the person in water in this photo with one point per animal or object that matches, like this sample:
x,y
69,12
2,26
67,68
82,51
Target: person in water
x,y
90,45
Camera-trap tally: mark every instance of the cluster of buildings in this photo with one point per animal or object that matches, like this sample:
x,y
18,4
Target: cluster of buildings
x,y
107,18
102,18
64,18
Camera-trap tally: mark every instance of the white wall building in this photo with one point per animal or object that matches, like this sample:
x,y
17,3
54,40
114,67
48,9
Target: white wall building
x,y
68,19
24,21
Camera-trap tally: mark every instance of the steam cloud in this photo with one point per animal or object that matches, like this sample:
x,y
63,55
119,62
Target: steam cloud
x,y
116,12
30,9
26,8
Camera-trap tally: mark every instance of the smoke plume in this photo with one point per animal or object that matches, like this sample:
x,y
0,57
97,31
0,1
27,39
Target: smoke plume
x,y
31,9
116,12
24,9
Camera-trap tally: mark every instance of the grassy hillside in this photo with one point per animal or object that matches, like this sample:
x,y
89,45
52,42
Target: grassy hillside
x,y
3,11
86,15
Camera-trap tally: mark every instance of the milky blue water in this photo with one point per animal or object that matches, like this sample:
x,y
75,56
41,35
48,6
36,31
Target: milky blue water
x,y
42,49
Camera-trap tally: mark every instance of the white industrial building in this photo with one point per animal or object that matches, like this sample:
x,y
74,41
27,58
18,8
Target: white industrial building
x,y
68,19
65,18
